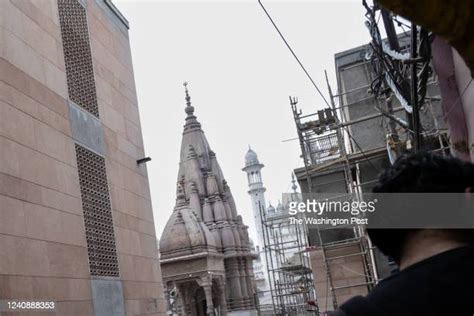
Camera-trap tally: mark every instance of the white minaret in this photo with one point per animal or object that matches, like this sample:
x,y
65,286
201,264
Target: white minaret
x,y
256,190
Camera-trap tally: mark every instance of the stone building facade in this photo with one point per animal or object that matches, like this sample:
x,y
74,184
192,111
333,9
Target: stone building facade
x,y
76,222
205,249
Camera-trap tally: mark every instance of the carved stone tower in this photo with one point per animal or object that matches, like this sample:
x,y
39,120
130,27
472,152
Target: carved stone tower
x,y
205,249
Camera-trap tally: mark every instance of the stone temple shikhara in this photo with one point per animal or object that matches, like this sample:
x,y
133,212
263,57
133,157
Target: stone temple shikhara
x,y
206,257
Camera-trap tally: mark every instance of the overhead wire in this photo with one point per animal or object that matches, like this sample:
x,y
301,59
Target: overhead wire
x,y
293,53
314,83
329,106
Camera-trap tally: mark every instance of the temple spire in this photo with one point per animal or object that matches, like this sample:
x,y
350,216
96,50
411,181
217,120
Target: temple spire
x,y
191,120
189,108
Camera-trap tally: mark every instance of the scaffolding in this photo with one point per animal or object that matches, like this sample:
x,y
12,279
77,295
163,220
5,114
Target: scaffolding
x,y
324,149
398,77
288,265
398,81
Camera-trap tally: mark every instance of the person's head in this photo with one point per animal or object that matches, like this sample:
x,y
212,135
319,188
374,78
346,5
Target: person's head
x,y
422,173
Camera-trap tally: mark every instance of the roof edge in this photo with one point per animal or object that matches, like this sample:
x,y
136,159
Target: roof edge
x,y
117,13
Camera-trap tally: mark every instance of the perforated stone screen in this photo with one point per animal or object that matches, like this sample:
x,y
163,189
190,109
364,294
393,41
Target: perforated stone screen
x,y
97,213
77,55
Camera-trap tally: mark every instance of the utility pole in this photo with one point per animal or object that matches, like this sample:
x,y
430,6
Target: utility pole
x,y
414,89
390,30
414,117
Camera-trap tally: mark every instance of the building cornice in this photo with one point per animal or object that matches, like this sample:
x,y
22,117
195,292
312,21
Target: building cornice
x,y
117,13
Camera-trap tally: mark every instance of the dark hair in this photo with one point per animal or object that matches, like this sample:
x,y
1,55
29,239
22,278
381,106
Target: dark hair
x,y
423,173
426,173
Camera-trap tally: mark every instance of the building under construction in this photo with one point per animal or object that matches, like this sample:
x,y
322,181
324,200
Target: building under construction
x,y
288,263
387,103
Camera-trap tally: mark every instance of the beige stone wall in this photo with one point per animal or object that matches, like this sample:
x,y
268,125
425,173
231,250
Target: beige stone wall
x,y
43,254
347,271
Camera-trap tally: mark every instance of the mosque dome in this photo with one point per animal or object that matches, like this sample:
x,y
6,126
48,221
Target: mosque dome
x,y
280,207
270,209
251,158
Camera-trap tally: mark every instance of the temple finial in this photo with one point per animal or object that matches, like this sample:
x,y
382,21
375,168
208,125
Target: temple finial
x,y
188,98
189,108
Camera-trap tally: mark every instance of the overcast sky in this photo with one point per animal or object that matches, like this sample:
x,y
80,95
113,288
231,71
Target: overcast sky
x,y
240,75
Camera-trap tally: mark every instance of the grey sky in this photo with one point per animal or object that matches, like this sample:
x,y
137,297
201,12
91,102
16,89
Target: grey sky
x,y
240,75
